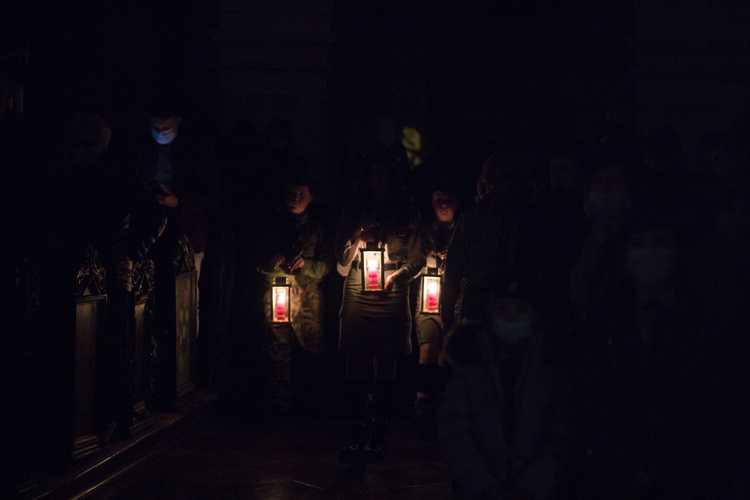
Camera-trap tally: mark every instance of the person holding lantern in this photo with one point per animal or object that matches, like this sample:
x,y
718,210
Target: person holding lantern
x,y
379,249
294,258
431,371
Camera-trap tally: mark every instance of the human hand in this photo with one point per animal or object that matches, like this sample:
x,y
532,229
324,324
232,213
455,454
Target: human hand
x,y
389,281
166,197
277,260
296,263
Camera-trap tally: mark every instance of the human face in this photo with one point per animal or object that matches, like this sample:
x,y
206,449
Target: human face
x,y
444,203
297,198
164,130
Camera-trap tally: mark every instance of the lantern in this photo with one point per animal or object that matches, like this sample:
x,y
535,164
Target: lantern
x,y
280,301
431,292
372,267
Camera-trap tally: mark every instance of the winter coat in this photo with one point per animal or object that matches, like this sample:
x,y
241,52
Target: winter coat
x,y
291,235
491,448
195,181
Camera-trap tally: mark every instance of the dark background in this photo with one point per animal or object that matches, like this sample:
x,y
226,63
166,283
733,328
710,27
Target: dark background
x,y
468,75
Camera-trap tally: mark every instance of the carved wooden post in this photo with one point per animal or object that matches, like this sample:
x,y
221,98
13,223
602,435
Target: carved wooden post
x,y
186,319
175,330
143,286
90,304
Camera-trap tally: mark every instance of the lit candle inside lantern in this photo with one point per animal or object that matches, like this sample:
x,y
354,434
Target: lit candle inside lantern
x,y
281,305
372,274
432,293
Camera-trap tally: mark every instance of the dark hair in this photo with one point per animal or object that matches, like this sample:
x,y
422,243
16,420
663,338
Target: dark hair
x,y
400,200
163,105
377,154
300,177
497,168
510,285
447,184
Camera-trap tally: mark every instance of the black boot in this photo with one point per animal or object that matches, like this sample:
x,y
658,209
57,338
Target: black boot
x,y
425,412
375,446
383,394
355,400
353,451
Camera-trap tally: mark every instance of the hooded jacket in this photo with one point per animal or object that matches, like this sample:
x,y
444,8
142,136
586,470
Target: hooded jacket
x,y
489,447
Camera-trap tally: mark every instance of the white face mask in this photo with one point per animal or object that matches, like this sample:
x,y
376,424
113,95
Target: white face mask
x,y
165,136
650,264
606,205
511,332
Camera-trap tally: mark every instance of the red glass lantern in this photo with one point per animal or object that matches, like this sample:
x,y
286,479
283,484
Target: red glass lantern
x,y
280,301
372,267
431,292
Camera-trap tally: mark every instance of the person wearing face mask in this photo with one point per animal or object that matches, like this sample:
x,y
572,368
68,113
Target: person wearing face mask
x,y
600,265
181,171
607,354
506,424
178,166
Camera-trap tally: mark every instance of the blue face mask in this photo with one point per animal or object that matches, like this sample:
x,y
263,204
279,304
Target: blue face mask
x,y
511,332
164,137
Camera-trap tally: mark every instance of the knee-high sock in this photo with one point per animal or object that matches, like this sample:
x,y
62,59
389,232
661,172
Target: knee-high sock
x,y
355,399
426,378
383,395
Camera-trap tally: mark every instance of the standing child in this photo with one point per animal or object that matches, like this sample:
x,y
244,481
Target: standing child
x,y
431,371
295,251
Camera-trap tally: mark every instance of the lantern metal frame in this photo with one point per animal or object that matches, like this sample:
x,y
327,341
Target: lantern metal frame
x,y
372,253
429,280
281,289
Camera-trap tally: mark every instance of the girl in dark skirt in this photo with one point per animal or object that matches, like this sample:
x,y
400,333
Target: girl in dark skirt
x,y
375,326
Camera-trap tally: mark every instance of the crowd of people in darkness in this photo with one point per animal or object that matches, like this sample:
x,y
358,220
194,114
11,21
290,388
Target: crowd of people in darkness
x,y
588,337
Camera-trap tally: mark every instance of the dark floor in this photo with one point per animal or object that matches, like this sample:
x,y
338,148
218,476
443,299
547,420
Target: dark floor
x,y
223,457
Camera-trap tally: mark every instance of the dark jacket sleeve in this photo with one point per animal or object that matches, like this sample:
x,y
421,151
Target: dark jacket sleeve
x,y
322,260
454,271
146,221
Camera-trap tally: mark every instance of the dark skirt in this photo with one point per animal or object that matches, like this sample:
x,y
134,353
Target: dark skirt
x,y
377,323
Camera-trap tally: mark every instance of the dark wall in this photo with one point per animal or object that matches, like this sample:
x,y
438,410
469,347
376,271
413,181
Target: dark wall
x,y
112,55
471,74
